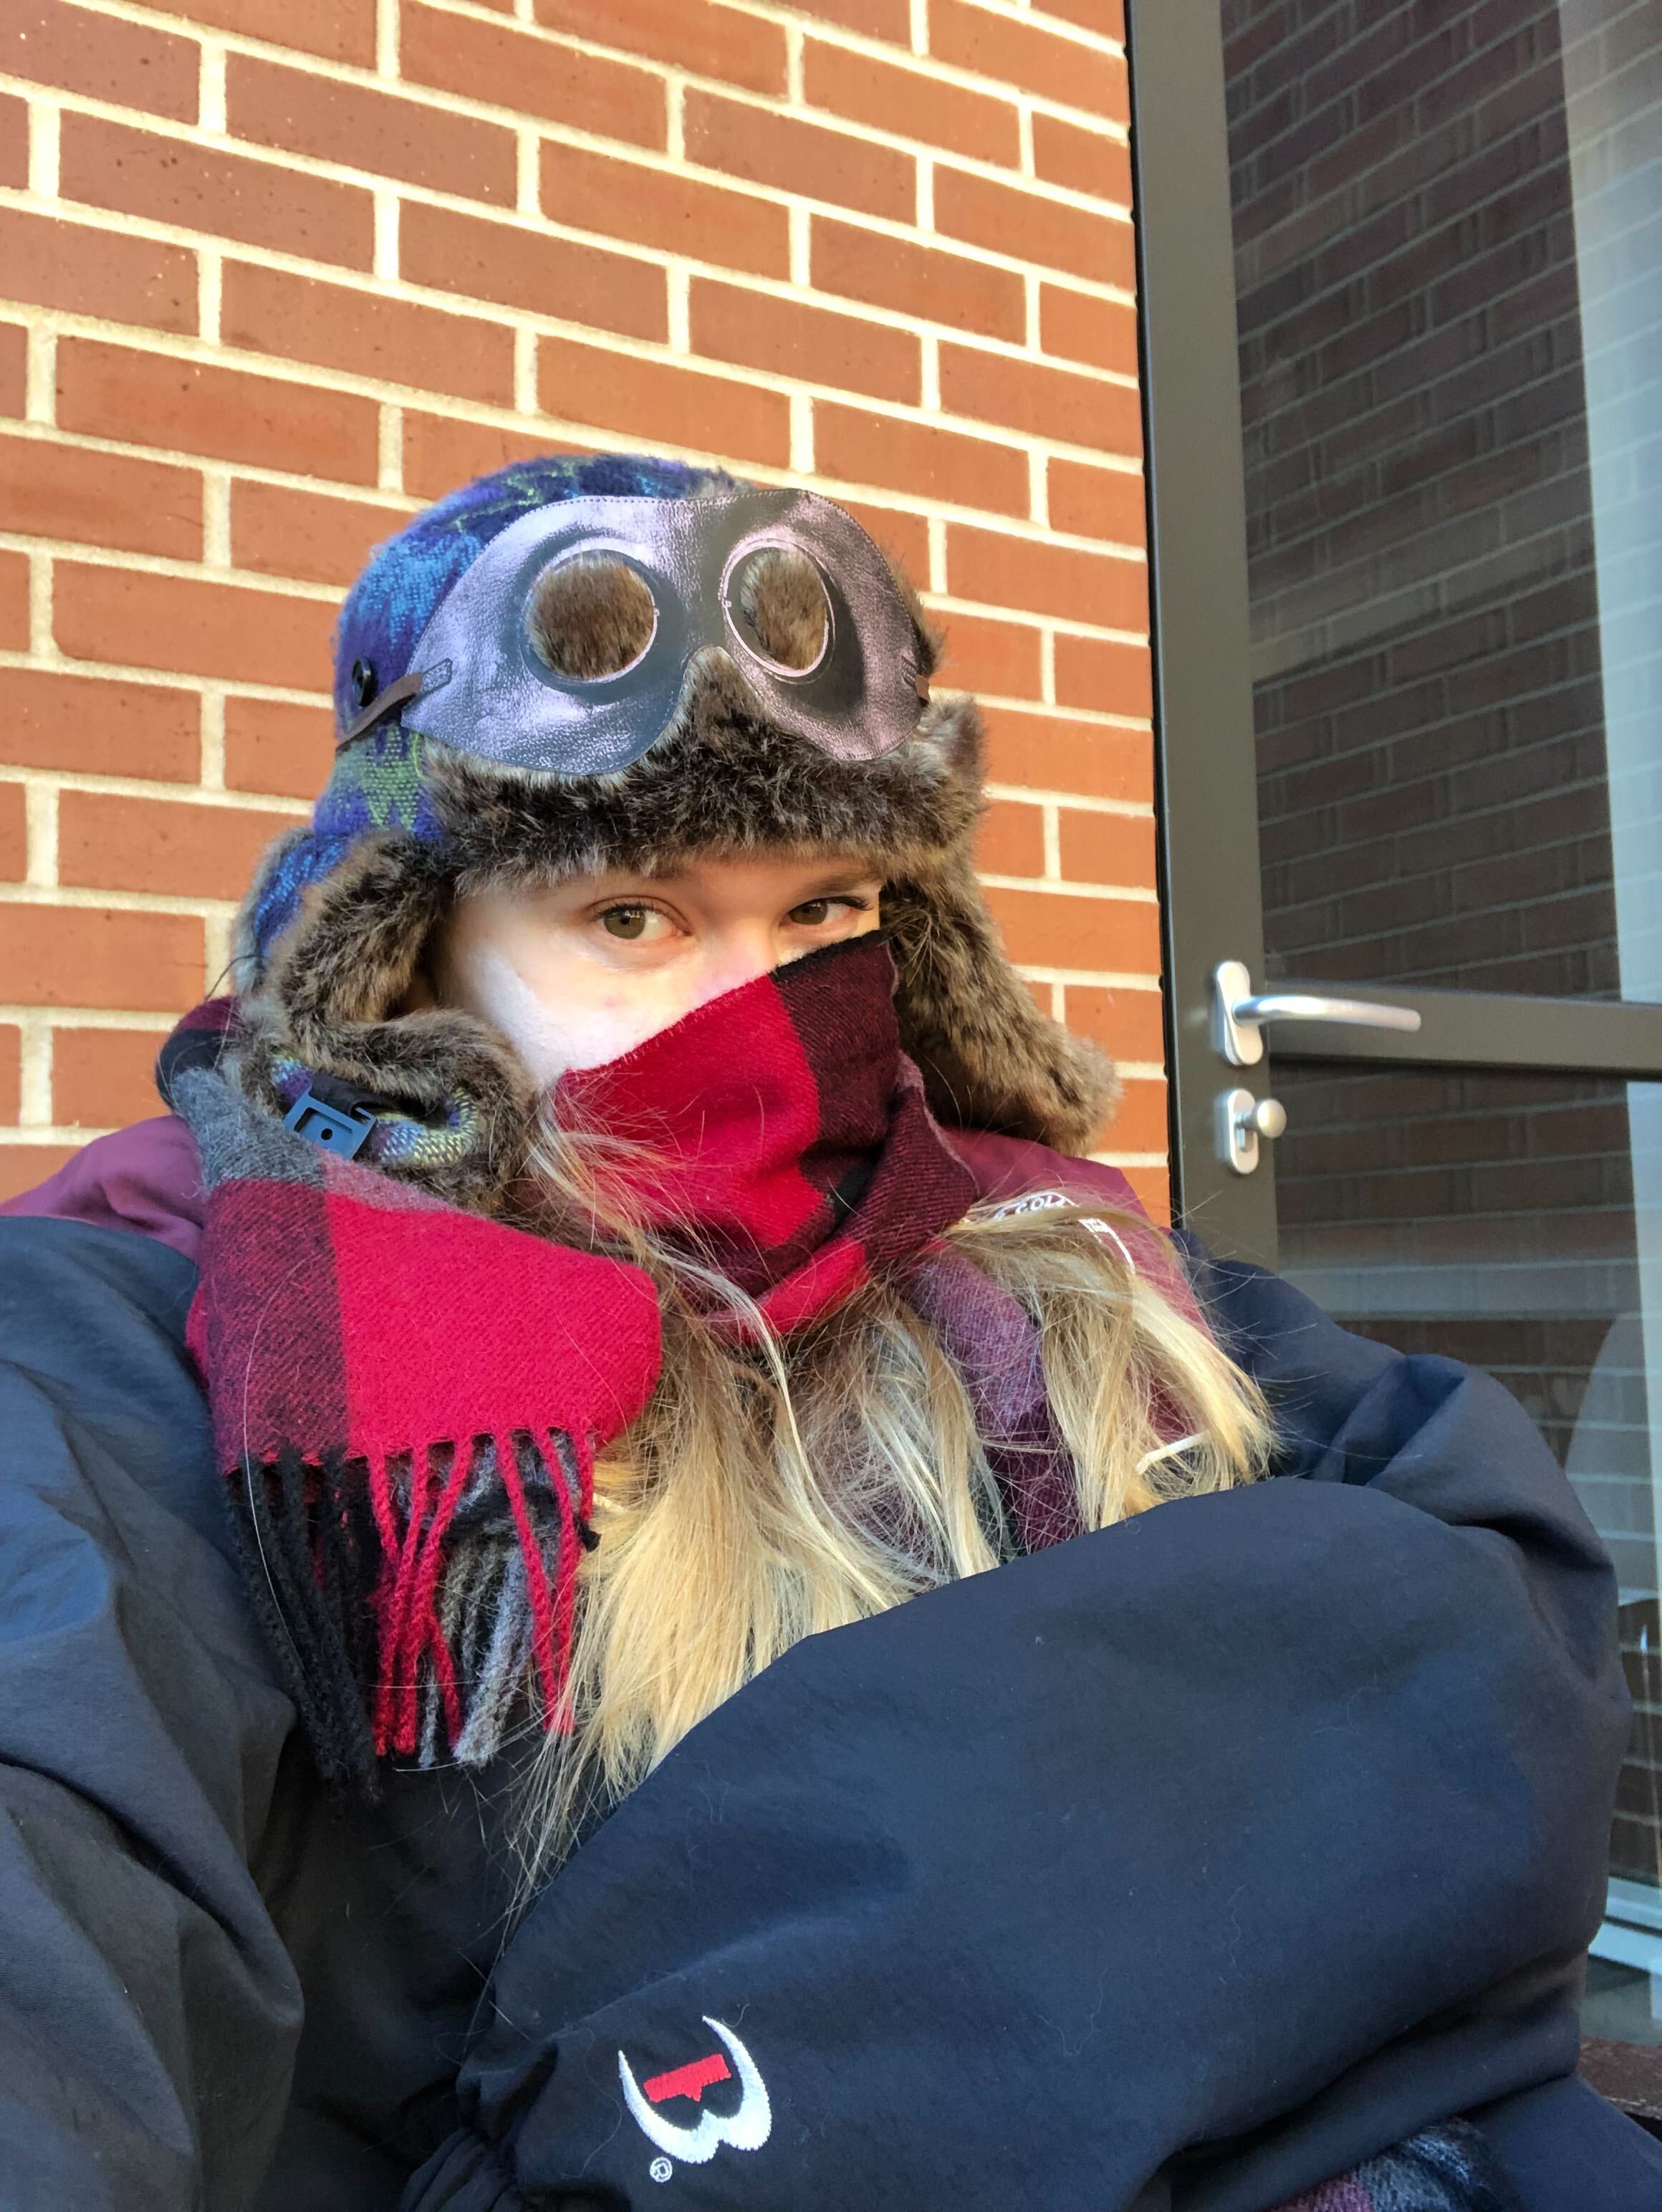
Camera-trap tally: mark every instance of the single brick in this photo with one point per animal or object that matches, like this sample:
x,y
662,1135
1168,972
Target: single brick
x,y
100,727
925,281
104,1078
911,103
1059,929
14,368
186,623
119,279
25,1167
226,195
803,159
520,265
1138,1122
144,398
1047,753
1001,658
11,1073
1090,502
1031,55
1107,589
1081,327
650,207
789,339
1062,404
275,747
13,141
1010,838
442,450
80,955
903,537
714,41
651,399
366,334
1034,227
1151,1187
109,843
366,129
14,601
1114,849
1084,160
48,42
866,447
878,19
510,68
14,834
312,536
49,490
1127,1023
1095,672
1105,17
338,30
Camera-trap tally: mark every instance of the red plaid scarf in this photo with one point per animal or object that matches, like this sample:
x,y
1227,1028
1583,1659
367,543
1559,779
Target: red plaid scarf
x,y
407,1398
784,1138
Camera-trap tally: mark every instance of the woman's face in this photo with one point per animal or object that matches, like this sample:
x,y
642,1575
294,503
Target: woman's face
x,y
577,974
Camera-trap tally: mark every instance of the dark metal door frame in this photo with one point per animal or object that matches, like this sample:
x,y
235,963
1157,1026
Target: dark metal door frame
x,y
1204,747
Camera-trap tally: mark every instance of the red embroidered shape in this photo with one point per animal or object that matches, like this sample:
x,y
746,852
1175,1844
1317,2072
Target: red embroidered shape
x,y
689,2081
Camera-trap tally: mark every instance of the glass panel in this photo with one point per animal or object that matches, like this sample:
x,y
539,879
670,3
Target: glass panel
x,y
1492,1217
1448,229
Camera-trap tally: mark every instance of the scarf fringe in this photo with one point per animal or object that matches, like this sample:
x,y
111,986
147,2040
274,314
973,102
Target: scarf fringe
x,y
1447,2168
412,1600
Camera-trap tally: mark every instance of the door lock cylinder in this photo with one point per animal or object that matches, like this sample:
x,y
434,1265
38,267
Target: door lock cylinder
x,y
1242,1121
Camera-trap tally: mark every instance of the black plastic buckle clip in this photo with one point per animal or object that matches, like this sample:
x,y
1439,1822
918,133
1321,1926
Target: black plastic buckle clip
x,y
342,1132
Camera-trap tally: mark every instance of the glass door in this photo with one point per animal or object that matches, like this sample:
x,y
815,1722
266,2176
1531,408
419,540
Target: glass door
x,y
1403,301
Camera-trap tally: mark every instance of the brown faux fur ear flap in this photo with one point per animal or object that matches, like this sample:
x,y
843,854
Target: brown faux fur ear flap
x,y
355,949
330,1000
989,1059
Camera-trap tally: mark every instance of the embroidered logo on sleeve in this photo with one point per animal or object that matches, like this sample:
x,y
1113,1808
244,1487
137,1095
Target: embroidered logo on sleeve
x,y
747,2127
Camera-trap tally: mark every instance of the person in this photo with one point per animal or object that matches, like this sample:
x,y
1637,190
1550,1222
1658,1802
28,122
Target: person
x,y
623,1580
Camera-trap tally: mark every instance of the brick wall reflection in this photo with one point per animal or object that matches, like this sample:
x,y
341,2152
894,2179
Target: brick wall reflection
x,y
1429,710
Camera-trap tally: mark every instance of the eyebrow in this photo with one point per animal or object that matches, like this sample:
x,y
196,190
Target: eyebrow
x,y
846,879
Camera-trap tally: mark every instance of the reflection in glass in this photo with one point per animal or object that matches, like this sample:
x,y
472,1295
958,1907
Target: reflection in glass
x,y
1492,1219
1448,231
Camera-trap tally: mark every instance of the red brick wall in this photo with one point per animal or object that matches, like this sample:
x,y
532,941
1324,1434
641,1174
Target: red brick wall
x,y
279,271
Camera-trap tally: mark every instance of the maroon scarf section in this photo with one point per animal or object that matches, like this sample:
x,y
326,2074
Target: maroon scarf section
x,y
989,1336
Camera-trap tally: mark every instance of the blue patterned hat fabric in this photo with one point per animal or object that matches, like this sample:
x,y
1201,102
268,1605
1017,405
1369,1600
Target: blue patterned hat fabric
x,y
377,782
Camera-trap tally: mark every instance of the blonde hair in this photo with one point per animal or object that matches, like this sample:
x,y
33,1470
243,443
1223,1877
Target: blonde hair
x,y
775,1487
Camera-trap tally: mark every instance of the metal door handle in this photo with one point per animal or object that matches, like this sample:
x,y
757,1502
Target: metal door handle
x,y
1237,1013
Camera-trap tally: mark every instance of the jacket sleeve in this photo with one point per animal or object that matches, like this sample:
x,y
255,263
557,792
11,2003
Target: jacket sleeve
x,y
1184,1865
148,2013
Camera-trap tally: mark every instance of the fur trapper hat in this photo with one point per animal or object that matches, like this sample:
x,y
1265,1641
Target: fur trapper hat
x,y
333,931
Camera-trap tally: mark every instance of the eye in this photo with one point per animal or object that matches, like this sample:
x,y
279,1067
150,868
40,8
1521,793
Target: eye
x,y
814,913
630,923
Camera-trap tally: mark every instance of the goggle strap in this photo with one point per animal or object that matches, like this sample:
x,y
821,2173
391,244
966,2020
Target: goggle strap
x,y
394,695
